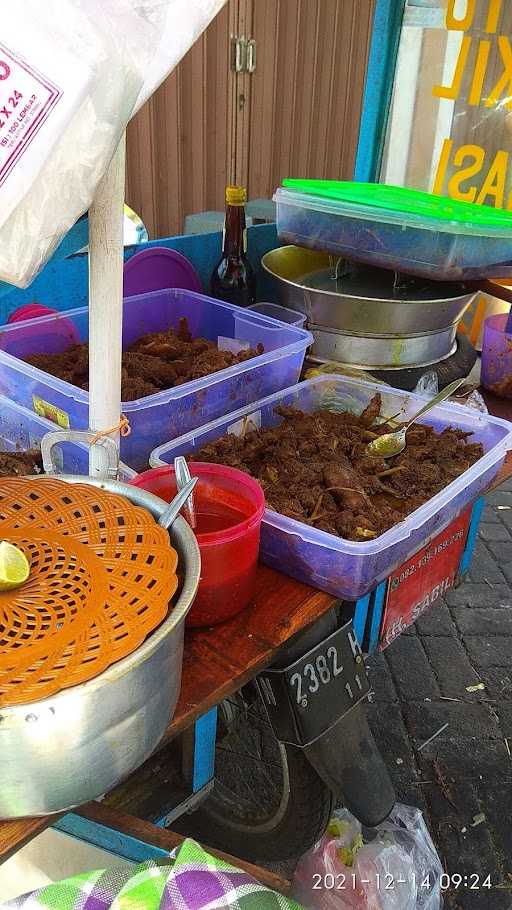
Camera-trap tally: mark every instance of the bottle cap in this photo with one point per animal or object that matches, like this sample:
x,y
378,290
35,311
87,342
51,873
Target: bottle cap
x,y
236,195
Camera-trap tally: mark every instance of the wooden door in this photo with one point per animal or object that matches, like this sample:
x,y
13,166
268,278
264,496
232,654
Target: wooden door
x,y
180,144
297,114
307,89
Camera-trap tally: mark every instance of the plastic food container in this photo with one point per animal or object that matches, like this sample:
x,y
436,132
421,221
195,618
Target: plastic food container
x,y
29,311
166,414
282,313
496,373
346,568
229,509
410,239
21,429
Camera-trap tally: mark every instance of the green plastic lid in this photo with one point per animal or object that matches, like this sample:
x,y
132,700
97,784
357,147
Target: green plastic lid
x,y
403,200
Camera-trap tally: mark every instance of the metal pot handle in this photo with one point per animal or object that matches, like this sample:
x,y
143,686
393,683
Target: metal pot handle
x,y
110,454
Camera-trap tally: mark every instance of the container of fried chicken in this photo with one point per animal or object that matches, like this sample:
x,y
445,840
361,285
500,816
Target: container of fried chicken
x,y
337,518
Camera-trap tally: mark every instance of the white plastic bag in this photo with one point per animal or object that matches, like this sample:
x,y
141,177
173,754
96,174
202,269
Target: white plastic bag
x,y
72,73
398,869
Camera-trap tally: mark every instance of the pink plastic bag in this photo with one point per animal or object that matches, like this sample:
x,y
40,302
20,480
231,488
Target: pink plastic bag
x,y
398,869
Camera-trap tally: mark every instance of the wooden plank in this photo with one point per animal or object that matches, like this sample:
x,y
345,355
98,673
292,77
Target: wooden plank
x,y
218,661
179,143
264,86
141,166
168,157
156,787
353,24
322,113
499,407
504,473
219,91
169,840
242,99
15,834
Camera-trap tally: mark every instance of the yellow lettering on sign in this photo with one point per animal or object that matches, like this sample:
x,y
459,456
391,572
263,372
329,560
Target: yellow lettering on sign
x,y
460,25
494,183
493,15
465,151
50,411
504,83
452,91
444,158
464,163
475,92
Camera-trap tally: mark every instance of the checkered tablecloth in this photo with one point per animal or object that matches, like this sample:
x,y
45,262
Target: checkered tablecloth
x,y
192,880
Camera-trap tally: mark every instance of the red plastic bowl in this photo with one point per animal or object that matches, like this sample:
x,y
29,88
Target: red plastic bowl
x,y
229,557
62,327
30,311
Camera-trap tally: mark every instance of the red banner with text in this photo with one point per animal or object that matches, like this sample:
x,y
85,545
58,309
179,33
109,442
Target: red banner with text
x,y
419,582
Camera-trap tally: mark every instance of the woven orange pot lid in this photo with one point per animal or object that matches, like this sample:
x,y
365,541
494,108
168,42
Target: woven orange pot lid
x,y
102,574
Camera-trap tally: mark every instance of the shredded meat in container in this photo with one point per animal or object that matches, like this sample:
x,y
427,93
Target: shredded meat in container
x,y
314,468
20,464
157,361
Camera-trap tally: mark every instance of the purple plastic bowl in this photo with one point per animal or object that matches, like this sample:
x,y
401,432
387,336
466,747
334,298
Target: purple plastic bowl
x,y
496,373
157,269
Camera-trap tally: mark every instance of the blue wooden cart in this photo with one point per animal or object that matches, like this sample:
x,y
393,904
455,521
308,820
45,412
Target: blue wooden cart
x,y
130,822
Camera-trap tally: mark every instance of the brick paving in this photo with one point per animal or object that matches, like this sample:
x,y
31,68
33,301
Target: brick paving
x,y
421,684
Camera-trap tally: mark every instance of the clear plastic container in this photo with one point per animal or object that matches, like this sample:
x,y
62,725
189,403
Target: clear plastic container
x,y
229,507
21,429
341,567
168,413
438,249
496,372
281,313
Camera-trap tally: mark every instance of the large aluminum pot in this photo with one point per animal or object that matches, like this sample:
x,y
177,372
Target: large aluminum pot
x,y
359,319
75,746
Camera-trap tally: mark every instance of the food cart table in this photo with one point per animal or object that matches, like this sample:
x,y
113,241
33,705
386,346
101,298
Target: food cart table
x,y
217,662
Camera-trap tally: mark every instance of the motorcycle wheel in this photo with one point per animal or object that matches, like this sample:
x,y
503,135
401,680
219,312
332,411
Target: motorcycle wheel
x,y
268,803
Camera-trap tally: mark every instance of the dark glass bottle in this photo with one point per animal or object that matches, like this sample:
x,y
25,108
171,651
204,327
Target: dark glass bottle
x,y
233,279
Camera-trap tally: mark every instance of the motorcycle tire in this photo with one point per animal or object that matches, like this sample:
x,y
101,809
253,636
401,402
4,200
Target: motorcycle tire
x,y
268,804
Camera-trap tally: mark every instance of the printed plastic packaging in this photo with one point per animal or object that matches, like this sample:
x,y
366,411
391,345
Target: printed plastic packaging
x,y
72,74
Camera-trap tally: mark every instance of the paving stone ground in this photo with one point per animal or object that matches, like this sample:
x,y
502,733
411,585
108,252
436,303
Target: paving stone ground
x,y
464,776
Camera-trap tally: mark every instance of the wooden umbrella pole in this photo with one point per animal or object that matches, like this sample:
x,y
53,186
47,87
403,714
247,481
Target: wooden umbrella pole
x,y
106,304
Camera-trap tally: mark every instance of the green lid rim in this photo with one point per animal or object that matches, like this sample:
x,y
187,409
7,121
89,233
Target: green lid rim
x,y
404,200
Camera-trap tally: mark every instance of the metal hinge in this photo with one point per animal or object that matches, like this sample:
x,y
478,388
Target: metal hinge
x,y
243,54
251,55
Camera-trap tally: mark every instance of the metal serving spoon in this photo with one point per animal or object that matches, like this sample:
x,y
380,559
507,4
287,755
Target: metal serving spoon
x,y
174,508
182,474
390,444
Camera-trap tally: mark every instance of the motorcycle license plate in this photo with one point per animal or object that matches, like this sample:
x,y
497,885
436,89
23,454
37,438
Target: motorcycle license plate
x,y
303,701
